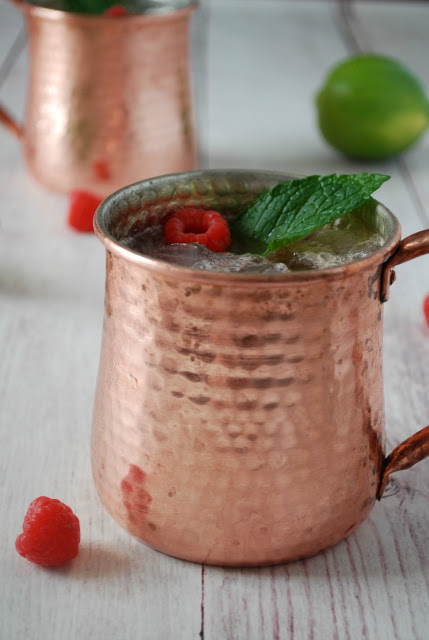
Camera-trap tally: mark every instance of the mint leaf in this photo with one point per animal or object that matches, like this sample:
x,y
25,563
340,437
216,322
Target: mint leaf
x,y
292,210
93,7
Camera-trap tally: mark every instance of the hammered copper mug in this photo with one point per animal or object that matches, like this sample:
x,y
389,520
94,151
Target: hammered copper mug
x,y
109,100
239,418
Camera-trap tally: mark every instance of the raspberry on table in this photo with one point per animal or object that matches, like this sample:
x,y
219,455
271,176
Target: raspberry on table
x,y
81,211
101,170
117,11
198,225
51,533
426,309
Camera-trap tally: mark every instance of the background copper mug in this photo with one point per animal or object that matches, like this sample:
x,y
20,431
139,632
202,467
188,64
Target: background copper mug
x,y
239,419
109,100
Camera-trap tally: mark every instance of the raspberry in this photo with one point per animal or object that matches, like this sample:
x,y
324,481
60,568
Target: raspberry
x,y
198,225
51,533
426,309
101,170
117,11
81,211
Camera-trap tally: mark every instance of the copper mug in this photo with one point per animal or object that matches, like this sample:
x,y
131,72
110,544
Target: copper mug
x,y
239,418
109,100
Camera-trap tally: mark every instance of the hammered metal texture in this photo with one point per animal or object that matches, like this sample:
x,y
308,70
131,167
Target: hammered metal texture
x,y
237,421
109,101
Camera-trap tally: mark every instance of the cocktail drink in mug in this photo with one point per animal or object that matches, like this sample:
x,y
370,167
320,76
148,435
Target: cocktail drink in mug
x,y
337,243
239,412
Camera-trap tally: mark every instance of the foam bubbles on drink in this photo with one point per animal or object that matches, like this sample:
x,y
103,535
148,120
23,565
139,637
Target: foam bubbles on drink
x,y
233,263
197,256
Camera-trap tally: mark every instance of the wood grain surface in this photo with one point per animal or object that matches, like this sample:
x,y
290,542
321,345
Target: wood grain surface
x,y
257,66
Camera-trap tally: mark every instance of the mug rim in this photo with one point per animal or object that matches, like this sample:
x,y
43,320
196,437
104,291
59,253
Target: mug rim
x,y
160,267
183,8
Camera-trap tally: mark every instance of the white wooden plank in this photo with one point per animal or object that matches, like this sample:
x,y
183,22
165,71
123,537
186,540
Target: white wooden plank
x,y
401,33
262,105
19,193
261,88
51,304
399,30
264,64
13,89
11,24
375,584
50,343
199,78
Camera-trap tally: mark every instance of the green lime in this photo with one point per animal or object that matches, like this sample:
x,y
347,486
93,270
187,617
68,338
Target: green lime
x,y
371,107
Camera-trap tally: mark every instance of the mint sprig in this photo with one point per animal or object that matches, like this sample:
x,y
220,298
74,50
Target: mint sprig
x,y
292,210
93,7
90,7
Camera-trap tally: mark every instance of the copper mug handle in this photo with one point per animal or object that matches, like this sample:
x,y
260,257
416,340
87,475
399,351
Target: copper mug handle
x,y
11,124
415,448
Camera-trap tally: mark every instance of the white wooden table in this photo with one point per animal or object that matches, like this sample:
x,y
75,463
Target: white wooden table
x,y
257,65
